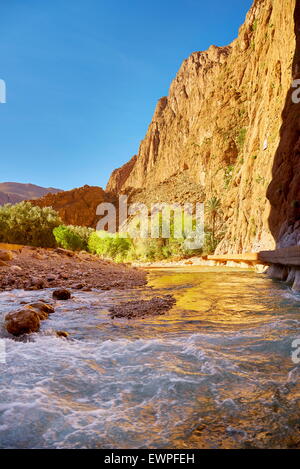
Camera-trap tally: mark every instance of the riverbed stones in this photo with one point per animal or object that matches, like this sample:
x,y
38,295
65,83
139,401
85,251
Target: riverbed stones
x,y
61,294
15,268
142,308
24,321
5,255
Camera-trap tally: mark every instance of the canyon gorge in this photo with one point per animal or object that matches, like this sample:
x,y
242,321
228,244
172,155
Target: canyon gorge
x,y
229,129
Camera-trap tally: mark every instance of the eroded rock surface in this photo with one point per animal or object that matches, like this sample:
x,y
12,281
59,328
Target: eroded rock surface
x,y
221,126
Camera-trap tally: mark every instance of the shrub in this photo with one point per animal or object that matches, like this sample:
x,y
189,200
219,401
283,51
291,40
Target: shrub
x,y
27,224
228,175
254,26
72,237
109,245
210,243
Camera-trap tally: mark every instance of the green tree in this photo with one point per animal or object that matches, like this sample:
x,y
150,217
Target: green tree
x,y
24,223
213,208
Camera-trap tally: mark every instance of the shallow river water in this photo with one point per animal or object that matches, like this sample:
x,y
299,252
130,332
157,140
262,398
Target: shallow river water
x,y
214,372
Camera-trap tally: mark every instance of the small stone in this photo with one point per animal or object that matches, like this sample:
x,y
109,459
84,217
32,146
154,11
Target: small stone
x,y
51,278
62,334
77,286
15,268
65,252
39,283
63,276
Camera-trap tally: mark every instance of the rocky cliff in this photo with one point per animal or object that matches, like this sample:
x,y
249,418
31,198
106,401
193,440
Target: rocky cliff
x,y
77,206
221,128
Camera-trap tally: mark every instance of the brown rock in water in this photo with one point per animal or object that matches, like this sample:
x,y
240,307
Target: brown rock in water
x,y
41,314
24,321
43,306
61,294
62,334
42,309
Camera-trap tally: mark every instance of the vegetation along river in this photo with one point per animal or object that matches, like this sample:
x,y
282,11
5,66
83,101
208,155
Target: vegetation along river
x,y
214,372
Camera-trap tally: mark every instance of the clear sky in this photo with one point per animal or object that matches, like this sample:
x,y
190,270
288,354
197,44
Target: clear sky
x,y
83,78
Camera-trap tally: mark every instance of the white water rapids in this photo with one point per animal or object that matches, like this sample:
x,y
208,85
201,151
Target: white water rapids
x,y
216,371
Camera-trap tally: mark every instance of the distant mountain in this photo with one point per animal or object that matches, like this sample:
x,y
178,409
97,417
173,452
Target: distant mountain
x,y
14,192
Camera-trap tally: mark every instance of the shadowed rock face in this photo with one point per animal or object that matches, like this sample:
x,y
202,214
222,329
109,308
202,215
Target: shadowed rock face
x,y
77,206
220,127
284,189
13,192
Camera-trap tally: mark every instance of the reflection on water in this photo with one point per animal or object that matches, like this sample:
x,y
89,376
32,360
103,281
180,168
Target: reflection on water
x,y
214,372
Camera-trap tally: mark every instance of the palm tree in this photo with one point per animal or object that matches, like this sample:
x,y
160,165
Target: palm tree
x,y
213,207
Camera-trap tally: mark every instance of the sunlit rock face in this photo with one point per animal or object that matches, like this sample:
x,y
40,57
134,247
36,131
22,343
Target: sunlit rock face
x,y
220,128
77,206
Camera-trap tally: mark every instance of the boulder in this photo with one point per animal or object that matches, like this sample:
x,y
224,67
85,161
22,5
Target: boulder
x,y
61,294
42,309
23,321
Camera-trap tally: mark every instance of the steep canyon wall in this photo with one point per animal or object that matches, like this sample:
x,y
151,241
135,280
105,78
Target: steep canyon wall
x,y
229,129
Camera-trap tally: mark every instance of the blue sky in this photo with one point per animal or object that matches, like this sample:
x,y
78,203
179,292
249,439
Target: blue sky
x,y
83,78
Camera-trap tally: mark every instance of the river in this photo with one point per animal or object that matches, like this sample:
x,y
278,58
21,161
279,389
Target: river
x,y
214,372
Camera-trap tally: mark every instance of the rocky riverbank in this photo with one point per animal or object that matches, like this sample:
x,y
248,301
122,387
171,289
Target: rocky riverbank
x,y
31,268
